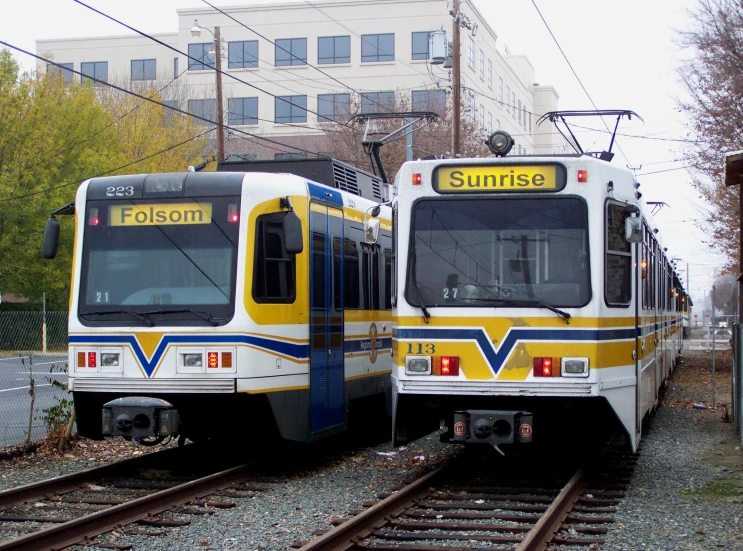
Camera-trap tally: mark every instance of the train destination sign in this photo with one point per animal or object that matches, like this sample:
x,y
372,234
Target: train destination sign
x,y
499,178
160,215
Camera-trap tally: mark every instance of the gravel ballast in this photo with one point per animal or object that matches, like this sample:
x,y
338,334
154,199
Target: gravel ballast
x,y
685,493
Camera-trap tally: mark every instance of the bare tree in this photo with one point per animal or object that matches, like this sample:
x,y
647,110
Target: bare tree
x,y
713,79
431,139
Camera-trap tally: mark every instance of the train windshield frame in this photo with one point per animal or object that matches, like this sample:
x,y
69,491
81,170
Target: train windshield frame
x,y
510,252
159,262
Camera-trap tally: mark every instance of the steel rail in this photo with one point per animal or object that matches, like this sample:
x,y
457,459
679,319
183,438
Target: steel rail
x,y
75,530
342,537
547,526
37,490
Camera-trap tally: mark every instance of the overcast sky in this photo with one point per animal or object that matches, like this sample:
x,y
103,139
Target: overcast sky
x,y
623,53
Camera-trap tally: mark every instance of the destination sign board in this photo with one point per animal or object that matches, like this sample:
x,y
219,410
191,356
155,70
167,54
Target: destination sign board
x,y
499,178
160,214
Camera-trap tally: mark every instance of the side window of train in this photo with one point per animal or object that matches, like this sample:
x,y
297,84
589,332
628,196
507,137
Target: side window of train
x,y
350,274
370,276
393,282
274,271
618,268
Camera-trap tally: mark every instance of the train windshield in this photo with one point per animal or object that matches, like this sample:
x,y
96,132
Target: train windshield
x,y
499,252
159,262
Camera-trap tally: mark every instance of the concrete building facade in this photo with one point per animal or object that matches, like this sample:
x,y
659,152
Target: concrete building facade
x,y
293,70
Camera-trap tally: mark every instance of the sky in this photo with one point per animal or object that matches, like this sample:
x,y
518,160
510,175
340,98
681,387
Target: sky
x,y
623,53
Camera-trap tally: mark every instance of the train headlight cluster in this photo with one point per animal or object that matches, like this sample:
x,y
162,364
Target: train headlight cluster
x,y
110,359
193,360
418,365
560,367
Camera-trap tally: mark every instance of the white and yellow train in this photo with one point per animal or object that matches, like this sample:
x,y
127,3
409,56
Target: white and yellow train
x,y
226,303
533,302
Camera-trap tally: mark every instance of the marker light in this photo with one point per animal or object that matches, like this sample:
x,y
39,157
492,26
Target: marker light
x,y
232,215
212,359
644,266
81,359
417,178
543,367
93,219
450,365
582,175
227,359
91,359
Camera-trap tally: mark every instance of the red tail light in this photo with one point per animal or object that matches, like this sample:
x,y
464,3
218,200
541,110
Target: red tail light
x,y
450,365
212,359
91,359
542,367
417,179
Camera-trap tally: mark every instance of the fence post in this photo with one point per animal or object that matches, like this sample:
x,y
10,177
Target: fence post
x,y
43,324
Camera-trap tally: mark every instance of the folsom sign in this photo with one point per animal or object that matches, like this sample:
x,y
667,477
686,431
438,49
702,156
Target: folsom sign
x,y
499,178
160,215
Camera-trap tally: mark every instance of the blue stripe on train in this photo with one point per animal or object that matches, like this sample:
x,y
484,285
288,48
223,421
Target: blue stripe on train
x,y
496,358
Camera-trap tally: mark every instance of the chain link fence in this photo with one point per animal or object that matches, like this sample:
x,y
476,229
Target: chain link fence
x,y
33,373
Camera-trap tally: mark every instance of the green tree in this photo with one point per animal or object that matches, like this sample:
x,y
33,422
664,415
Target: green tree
x,y
53,136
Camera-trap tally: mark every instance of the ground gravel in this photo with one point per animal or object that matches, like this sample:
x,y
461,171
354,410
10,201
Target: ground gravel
x,y
685,493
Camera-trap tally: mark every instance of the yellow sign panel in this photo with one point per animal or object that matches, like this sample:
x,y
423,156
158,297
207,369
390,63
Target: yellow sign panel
x,y
479,179
160,215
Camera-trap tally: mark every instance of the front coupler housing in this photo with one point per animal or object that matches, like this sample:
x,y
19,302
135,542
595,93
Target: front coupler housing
x,y
138,417
478,426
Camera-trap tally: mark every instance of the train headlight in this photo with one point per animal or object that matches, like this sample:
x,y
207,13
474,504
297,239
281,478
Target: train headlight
x,y
418,365
110,359
193,360
574,367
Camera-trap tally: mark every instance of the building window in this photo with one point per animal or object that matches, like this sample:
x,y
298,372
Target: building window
x,y
242,55
94,69
204,108
377,102
500,89
529,127
143,69
170,104
291,51
429,100
490,122
482,65
490,74
513,104
420,45
335,107
242,110
519,111
333,49
508,99
497,124
274,271
377,47
291,109
471,52
482,116
202,59
63,70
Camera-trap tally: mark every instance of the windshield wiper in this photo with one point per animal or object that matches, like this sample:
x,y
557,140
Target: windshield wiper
x,y
422,306
518,302
141,317
202,315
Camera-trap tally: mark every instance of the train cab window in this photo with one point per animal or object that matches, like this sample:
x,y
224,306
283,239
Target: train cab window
x,y
350,262
387,279
618,257
274,271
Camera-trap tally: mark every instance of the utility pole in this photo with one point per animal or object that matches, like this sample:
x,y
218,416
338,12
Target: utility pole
x,y
456,81
220,110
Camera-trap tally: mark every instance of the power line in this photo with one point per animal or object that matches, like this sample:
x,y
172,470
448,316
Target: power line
x,y
140,96
122,167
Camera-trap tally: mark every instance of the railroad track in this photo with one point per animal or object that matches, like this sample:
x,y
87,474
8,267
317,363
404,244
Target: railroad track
x,y
77,508
526,506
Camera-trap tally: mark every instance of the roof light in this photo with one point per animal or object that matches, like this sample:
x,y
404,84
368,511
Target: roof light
x,y
232,215
582,175
93,219
417,178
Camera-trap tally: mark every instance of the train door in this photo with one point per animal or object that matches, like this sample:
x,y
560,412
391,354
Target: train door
x,y
327,387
